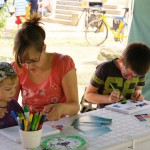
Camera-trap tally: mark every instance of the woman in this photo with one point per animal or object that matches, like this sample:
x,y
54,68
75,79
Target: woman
x,y
48,81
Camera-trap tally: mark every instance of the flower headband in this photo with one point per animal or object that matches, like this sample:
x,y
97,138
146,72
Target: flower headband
x,y
6,70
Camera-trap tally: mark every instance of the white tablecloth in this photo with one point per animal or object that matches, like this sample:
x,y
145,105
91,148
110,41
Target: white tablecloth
x,y
126,132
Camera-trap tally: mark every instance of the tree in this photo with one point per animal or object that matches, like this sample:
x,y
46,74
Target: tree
x,y
3,17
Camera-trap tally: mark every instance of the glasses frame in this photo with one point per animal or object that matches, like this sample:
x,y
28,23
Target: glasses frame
x,y
27,63
126,73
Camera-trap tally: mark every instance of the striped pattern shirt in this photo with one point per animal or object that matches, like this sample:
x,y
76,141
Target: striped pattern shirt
x,y
20,7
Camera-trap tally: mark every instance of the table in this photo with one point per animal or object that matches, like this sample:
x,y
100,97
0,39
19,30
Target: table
x,y
127,133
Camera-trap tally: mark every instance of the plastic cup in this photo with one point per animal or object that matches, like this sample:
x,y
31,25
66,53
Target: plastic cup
x,y
31,139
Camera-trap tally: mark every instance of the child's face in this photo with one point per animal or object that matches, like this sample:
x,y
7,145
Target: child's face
x,y
7,89
127,73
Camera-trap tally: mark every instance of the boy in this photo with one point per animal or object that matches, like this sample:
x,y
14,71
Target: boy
x,y
8,78
126,74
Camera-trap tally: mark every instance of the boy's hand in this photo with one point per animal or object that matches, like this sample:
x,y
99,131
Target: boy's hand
x,y
115,97
137,96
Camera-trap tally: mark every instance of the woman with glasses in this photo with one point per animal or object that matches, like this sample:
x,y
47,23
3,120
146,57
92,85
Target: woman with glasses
x,y
47,81
120,78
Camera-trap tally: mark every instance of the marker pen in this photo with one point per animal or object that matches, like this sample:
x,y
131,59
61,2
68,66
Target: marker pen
x,y
26,112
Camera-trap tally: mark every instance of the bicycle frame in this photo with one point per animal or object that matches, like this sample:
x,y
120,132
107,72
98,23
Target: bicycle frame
x,y
115,33
97,30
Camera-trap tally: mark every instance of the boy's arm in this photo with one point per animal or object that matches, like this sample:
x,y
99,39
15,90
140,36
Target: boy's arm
x,y
92,95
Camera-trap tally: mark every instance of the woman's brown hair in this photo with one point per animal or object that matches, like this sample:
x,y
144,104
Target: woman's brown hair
x,y
30,35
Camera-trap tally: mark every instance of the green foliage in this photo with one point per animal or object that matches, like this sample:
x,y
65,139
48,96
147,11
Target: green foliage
x,y
3,17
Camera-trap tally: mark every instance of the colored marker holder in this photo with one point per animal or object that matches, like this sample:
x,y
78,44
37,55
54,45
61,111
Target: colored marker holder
x,y
30,139
30,127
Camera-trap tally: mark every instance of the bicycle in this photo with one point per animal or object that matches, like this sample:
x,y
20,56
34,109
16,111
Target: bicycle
x,y
97,30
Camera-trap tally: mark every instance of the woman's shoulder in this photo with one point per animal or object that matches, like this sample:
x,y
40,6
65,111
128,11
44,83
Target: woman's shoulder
x,y
63,63
60,58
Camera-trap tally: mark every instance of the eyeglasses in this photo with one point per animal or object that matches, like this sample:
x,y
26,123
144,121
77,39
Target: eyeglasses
x,y
32,61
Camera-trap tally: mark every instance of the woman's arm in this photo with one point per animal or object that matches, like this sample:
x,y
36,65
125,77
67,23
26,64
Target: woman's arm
x,y
70,88
71,107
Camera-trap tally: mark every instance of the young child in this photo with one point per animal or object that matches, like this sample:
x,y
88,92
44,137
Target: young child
x,y
126,74
8,80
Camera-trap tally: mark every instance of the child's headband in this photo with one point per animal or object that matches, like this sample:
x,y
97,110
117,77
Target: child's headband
x,y
6,70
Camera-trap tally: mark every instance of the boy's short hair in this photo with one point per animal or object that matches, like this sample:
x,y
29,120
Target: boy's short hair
x,y
6,71
136,56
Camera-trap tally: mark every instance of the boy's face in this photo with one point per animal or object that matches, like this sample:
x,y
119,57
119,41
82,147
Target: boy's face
x,y
7,89
127,73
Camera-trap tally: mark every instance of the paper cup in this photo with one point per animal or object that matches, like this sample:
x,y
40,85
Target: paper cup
x,y
30,139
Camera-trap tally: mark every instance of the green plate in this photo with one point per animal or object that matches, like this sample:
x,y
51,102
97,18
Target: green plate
x,y
64,143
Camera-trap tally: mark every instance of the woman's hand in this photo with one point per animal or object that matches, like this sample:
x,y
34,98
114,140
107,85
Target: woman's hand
x,y
53,112
115,97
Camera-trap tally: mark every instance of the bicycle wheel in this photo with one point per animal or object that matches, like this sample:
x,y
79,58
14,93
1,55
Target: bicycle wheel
x,y
124,35
96,32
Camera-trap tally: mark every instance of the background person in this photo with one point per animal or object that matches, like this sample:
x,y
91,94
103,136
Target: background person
x,y
44,7
20,11
34,6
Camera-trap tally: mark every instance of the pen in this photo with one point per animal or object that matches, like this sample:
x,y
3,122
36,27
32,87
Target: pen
x,y
41,121
22,116
112,87
124,100
19,115
19,123
22,124
30,121
26,125
34,122
39,118
26,112
14,115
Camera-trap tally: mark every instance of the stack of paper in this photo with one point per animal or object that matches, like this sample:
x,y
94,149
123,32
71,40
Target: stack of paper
x,y
130,107
92,126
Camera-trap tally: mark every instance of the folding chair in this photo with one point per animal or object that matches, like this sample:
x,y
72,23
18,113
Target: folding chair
x,y
87,106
